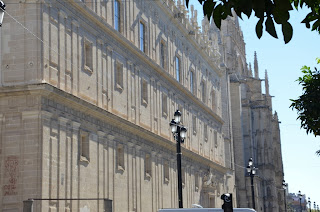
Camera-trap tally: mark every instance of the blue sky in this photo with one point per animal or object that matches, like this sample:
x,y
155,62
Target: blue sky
x,y
283,63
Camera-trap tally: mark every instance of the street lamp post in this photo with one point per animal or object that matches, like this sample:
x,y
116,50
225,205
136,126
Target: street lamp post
x,y
179,132
252,171
300,197
284,186
2,9
309,202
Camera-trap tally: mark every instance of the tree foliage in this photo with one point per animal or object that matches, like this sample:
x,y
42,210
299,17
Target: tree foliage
x,y
308,104
269,13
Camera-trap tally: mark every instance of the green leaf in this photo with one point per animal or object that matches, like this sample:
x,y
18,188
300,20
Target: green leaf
x,y
270,27
187,3
287,32
208,8
259,28
217,15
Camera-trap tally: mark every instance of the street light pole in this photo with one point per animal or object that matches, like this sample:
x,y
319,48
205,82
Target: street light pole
x,y
300,197
252,171
179,133
2,9
284,186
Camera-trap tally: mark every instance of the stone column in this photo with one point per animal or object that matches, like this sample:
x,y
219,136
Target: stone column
x,y
75,59
102,160
111,166
74,205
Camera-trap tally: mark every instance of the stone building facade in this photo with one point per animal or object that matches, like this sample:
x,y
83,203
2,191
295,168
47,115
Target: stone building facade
x,y
87,92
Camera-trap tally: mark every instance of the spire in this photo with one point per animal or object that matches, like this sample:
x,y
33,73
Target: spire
x,y
250,70
255,66
266,82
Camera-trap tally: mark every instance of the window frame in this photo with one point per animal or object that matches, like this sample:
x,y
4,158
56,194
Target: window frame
x,y
192,82
164,104
144,92
117,15
88,55
148,165
163,55
178,68
120,158
142,36
84,146
119,76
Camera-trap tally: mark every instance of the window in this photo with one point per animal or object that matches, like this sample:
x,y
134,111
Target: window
x,y
144,92
194,124
205,132
178,72
164,105
120,157
117,15
213,100
166,171
148,165
196,181
215,137
88,56
142,37
192,82
119,76
84,146
163,55
203,91
183,176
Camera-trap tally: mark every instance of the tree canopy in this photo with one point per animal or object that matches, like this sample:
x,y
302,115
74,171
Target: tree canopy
x,y
308,105
269,13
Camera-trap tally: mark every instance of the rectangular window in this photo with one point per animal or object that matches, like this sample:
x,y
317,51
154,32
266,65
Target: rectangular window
x,y
84,146
148,165
213,100
183,176
178,72
117,15
215,137
203,91
120,157
88,56
119,76
192,82
144,92
196,181
163,55
164,105
142,37
205,132
166,171
194,124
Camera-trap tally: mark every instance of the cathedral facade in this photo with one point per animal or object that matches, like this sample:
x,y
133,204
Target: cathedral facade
x,y
87,92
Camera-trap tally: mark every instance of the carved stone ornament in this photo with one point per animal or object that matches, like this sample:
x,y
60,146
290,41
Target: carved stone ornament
x,y
209,180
